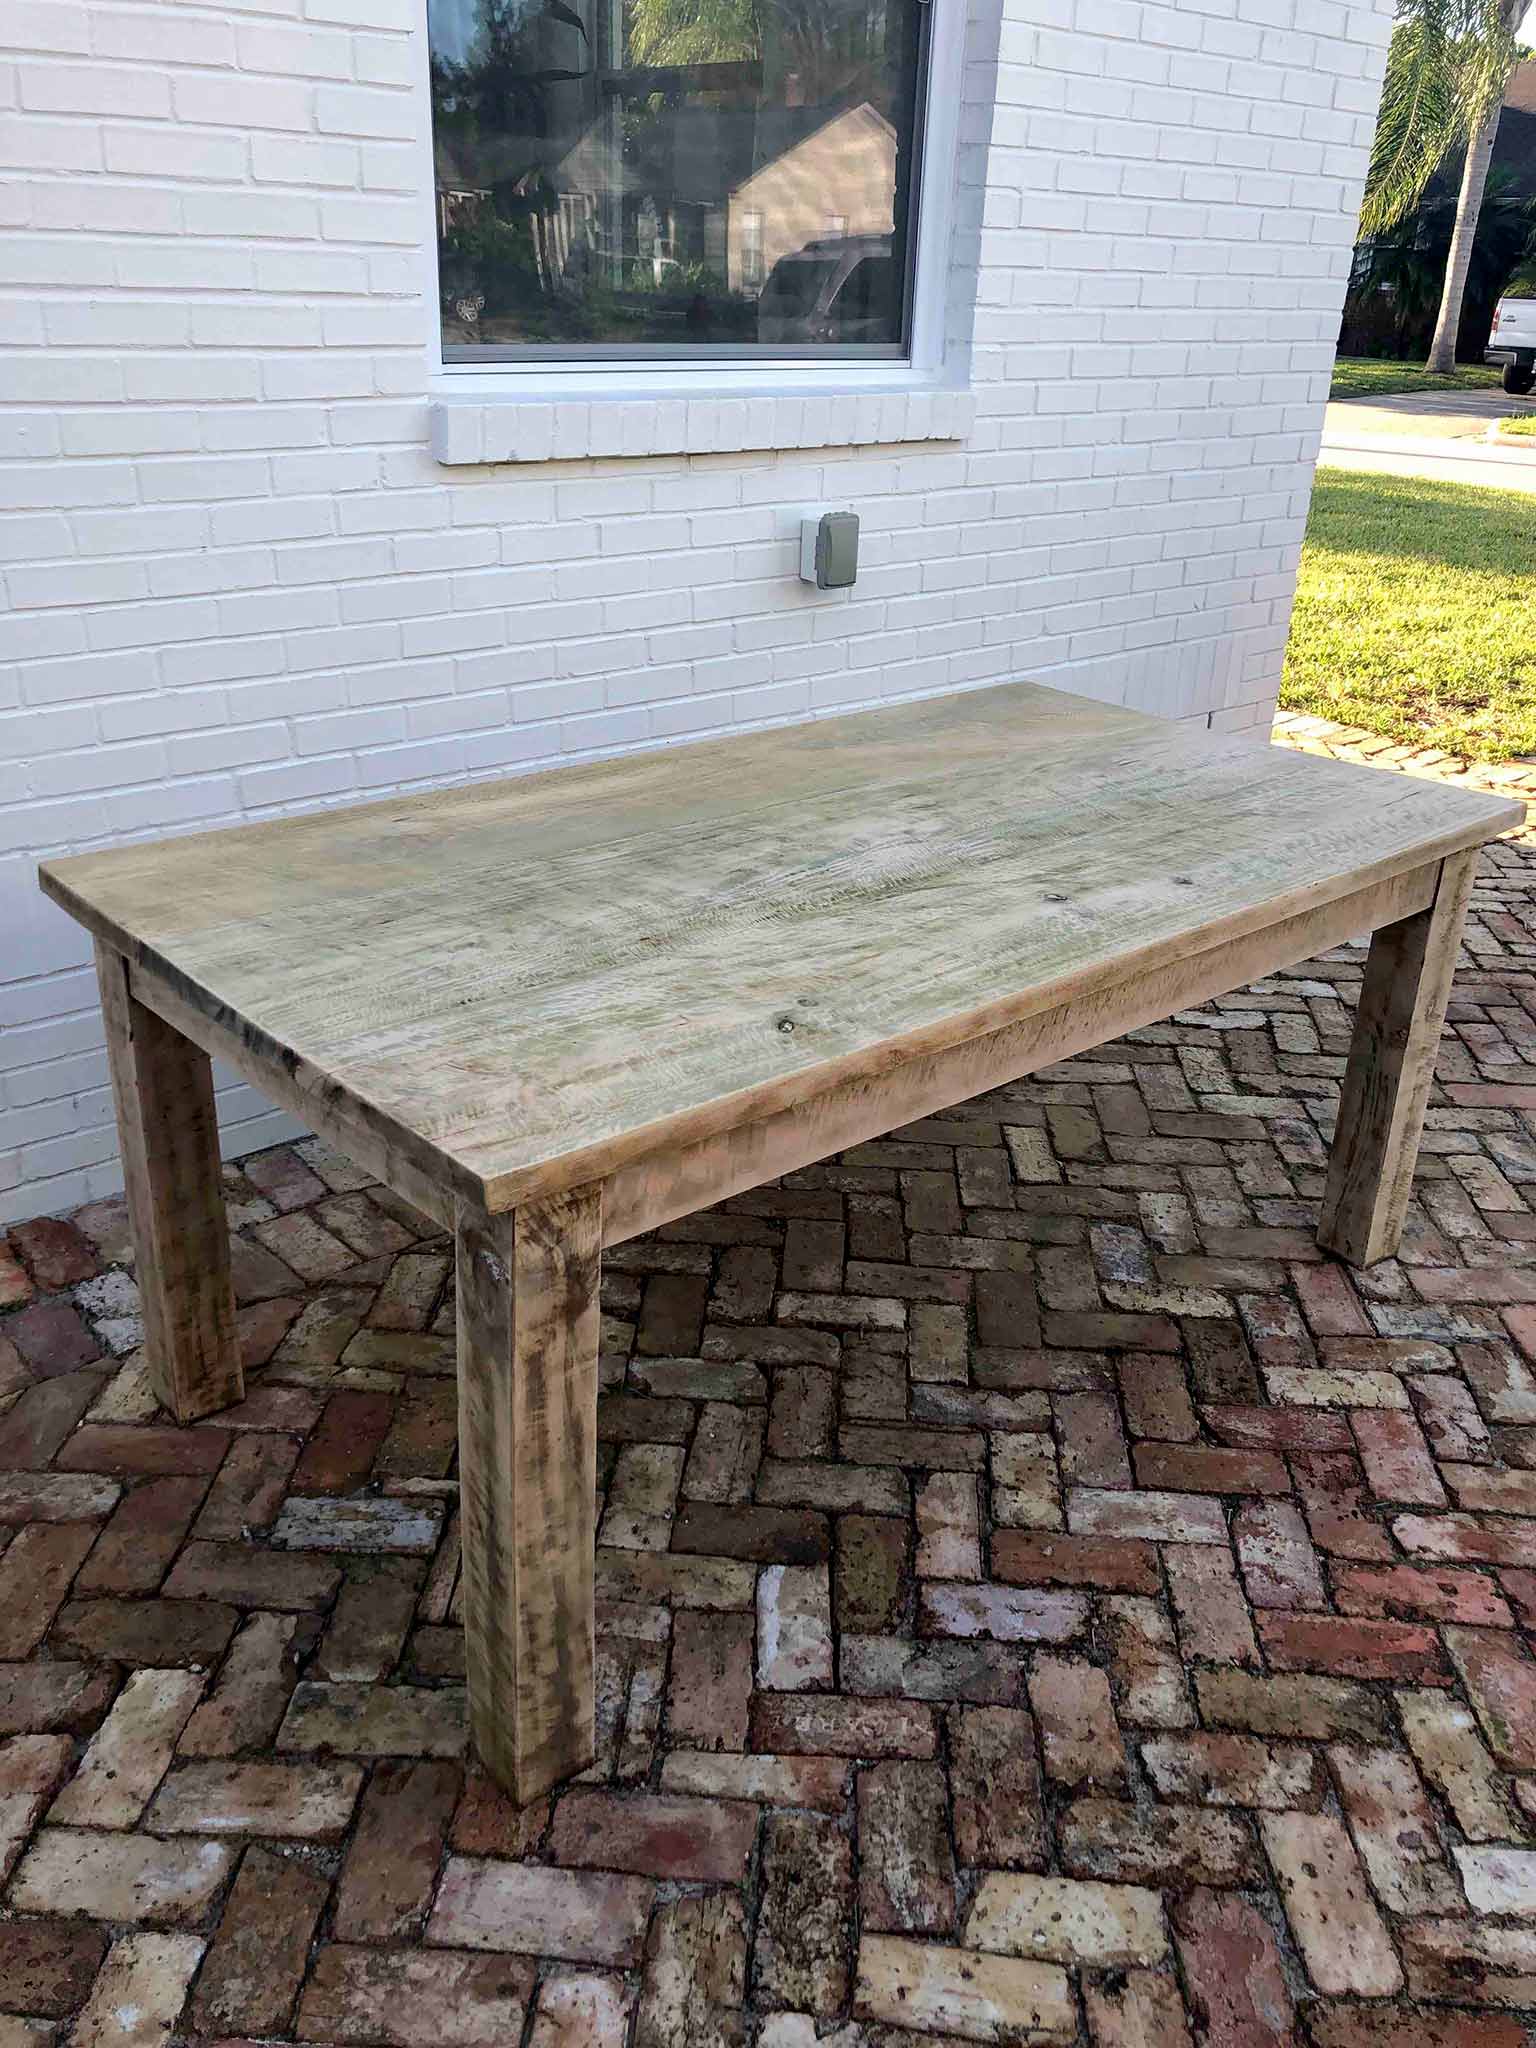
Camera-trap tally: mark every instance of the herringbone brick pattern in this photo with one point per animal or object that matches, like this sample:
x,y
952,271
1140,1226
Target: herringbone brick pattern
x,y
1041,1599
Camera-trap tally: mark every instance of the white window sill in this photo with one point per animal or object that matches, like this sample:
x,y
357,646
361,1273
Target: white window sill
x,y
558,422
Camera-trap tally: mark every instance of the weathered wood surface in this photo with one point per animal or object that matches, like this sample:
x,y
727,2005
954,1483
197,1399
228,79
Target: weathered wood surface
x,y
328,1112
528,1336
677,1181
168,1135
1391,1068
520,986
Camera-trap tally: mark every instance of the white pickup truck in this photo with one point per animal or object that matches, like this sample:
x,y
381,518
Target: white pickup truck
x,y
1513,343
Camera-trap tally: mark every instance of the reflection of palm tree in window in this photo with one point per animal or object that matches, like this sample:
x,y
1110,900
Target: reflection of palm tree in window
x,y
806,50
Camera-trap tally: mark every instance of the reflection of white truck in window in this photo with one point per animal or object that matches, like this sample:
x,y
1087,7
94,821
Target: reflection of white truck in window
x,y
1513,343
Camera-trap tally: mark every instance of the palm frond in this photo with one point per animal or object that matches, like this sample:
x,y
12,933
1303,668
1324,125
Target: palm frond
x,y
1447,68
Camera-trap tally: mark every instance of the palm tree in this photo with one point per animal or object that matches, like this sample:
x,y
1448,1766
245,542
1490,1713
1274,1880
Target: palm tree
x,y
1447,73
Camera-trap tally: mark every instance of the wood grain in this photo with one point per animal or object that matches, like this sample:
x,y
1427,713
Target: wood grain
x,y
528,1337
676,1182
1391,1068
168,1135
328,1112
524,986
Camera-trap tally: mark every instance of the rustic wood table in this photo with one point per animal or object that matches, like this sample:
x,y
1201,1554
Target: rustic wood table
x,y
554,1012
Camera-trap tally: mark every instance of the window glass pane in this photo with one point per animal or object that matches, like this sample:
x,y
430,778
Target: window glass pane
x,y
674,174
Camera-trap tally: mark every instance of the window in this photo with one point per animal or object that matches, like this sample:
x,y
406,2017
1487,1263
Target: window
x,y
751,249
693,179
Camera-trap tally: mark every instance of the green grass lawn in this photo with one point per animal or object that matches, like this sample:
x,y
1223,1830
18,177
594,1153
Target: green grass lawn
x,y
1519,423
1374,377
1416,613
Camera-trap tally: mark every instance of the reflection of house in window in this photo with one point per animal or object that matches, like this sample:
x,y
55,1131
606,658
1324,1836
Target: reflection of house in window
x,y
688,194
752,270
853,155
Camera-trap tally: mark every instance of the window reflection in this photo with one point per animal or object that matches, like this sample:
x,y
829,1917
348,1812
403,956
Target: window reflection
x,y
660,174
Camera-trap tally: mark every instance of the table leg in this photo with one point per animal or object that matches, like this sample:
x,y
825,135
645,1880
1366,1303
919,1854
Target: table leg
x,y
168,1134
1391,1067
528,1338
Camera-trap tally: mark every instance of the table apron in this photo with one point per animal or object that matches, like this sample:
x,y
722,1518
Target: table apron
x,y
340,1126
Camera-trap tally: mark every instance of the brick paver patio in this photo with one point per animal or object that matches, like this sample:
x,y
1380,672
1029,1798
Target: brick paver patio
x,y
1040,1598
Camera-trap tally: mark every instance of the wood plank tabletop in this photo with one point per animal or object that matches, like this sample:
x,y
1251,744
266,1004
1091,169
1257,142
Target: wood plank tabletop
x,y
526,983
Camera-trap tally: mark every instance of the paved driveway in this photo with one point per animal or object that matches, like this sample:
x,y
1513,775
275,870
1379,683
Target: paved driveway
x,y
1441,435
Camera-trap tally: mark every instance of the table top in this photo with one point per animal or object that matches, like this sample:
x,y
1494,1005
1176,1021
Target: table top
x,y
527,983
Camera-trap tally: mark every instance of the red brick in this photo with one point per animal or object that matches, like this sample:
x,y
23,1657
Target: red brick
x,y
487,1822
149,1449
1520,1587
1235,1770
251,1975
1332,1490
57,1695
54,1253
999,1820
391,1868
710,1698
1473,1539
1236,1979
370,1619
136,1548
1076,1718
1112,1565
145,1631
1280,1429
701,1841
1406,1591
1328,1301
248,1577
1279,1565
1112,1332
283,1178
52,1338
1195,1468
1156,1398
907,1882
260,1326
1396,1458
870,1575
46,1966
340,1454
248,1698
1213,1616
1092,1443
35,1573
765,1535
1500,1678
249,1489
1136,2009
1351,1648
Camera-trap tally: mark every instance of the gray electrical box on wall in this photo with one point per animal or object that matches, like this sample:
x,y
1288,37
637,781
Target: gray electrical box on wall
x,y
829,550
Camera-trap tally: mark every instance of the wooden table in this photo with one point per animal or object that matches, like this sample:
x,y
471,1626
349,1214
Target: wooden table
x,y
556,1011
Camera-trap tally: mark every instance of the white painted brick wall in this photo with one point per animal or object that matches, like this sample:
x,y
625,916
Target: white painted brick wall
x,y
237,581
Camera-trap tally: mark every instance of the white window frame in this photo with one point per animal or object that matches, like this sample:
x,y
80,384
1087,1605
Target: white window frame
x,y
923,368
